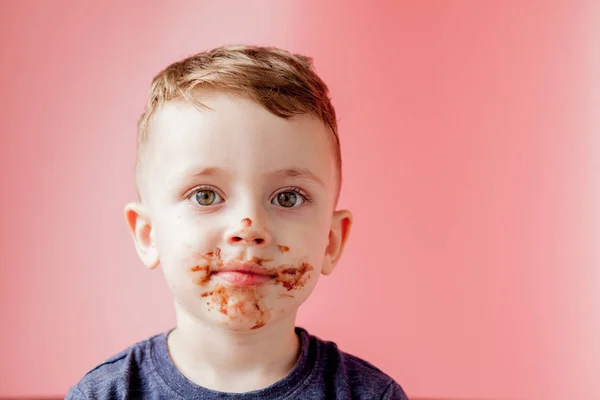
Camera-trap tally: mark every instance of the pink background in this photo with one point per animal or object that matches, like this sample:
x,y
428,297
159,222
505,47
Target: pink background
x,y
470,135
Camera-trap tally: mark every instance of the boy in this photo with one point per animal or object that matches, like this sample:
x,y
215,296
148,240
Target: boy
x,y
238,175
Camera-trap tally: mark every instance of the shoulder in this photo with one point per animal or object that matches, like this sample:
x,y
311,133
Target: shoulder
x,y
117,374
361,378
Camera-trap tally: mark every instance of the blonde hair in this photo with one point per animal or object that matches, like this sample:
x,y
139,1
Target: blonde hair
x,y
284,83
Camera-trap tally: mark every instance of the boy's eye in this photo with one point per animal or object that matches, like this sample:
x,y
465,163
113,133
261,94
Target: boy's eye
x,y
206,197
288,199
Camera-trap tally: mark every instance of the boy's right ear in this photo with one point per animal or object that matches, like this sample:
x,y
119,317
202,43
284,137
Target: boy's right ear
x,y
140,225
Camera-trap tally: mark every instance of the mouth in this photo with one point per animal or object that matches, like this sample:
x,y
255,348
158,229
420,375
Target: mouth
x,y
244,275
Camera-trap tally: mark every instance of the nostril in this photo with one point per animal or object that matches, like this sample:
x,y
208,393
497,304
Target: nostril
x,y
259,240
236,239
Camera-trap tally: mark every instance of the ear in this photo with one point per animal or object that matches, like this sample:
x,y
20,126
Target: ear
x,y
140,225
338,235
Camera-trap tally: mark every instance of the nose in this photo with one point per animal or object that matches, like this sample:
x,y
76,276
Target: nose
x,y
248,232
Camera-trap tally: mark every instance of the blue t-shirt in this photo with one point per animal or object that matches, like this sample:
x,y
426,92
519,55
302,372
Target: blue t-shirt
x,y
145,371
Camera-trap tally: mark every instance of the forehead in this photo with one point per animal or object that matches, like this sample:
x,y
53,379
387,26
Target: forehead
x,y
237,135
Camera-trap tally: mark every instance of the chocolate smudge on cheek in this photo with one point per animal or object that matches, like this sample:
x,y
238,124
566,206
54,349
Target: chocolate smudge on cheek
x,y
293,278
201,272
283,249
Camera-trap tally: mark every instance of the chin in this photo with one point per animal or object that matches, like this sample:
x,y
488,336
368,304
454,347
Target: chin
x,y
244,326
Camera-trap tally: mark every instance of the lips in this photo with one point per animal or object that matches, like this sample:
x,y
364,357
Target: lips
x,y
244,275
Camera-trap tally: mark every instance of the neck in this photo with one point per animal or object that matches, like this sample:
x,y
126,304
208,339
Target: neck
x,y
224,360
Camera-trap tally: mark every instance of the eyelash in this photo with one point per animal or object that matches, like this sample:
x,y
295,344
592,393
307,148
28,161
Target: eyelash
x,y
294,189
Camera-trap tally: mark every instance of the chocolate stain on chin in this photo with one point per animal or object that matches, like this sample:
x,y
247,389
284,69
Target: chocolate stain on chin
x,y
262,316
220,298
238,304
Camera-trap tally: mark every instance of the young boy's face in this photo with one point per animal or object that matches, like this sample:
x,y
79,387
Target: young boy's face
x,y
238,209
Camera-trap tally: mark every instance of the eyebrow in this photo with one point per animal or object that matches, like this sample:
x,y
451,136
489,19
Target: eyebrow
x,y
210,171
302,173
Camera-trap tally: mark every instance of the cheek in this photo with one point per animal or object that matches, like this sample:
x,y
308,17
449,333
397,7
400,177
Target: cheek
x,y
181,241
304,242
181,227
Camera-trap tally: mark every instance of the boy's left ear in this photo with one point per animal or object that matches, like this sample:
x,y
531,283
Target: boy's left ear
x,y
338,235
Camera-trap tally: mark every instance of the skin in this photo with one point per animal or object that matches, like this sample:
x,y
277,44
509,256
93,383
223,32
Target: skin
x,y
215,191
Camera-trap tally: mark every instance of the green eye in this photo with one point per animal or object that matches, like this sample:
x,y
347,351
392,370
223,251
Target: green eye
x,y
207,197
